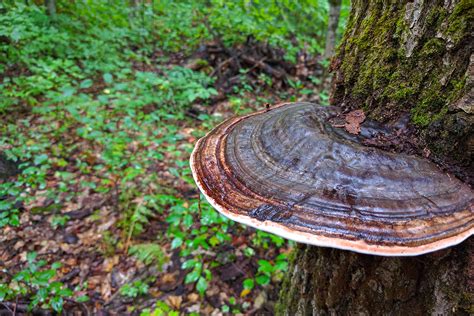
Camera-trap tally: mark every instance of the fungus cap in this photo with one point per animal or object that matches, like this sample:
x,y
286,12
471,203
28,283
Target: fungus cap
x,y
288,171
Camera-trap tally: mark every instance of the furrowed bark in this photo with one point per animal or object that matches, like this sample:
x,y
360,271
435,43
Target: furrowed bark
x,y
413,58
324,281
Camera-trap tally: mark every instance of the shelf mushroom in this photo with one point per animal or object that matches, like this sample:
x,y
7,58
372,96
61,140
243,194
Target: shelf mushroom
x,y
288,171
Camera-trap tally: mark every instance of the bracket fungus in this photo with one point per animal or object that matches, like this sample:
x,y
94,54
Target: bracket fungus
x,y
288,171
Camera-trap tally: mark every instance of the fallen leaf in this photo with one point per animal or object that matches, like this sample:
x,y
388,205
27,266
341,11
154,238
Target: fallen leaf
x,y
109,263
193,297
174,301
244,292
260,300
106,289
18,245
426,152
196,308
71,261
353,121
168,278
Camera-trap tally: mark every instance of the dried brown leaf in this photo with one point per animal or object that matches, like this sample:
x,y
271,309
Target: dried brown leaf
x,y
174,301
353,121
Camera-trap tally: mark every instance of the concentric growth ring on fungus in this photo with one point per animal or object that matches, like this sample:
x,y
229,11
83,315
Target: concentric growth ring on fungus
x,y
288,171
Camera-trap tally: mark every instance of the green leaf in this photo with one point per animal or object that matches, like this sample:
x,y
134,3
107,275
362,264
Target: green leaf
x,y
43,277
65,292
31,256
57,303
40,159
188,220
148,253
248,284
108,78
86,84
225,308
82,298
281,265
262,279
16,34
103,99
68,91
42,294
265,266
188,264
176,243
55,286
192,276
23,276
5,292
201,285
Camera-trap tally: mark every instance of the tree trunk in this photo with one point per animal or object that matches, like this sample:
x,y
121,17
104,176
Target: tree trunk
x,y
333,22
414,58
400,59
324,281
51,8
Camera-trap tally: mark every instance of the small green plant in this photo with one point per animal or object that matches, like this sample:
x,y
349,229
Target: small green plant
x,y
263,239
59,220
148,253
267,270
226,308
161,309
324,97
36,283
134,289
199,275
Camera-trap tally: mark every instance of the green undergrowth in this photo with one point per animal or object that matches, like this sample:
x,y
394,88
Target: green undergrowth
x,y
38,282
90,104
86,39
99,142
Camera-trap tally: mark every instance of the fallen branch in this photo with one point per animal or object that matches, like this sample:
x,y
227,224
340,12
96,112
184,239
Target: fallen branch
x,y
224,63
72,274
265,67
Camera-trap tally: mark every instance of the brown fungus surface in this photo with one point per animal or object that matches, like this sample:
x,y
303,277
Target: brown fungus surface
x,y
288,171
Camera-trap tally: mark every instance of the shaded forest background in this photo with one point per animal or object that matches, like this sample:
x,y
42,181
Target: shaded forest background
x,y
100,105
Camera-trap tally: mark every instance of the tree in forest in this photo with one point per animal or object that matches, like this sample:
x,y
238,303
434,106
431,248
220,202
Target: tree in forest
x,y
400,60
51,7
333,22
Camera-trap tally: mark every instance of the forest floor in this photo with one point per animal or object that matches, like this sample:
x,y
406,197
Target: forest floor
x,y
133,243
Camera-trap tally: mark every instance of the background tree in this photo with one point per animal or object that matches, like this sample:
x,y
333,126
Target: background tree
x,y
51,7
399,60
333,22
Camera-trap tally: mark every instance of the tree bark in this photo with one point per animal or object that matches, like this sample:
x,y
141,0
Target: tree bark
x,y
399,59
413,58
333,22
51,8
324,281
